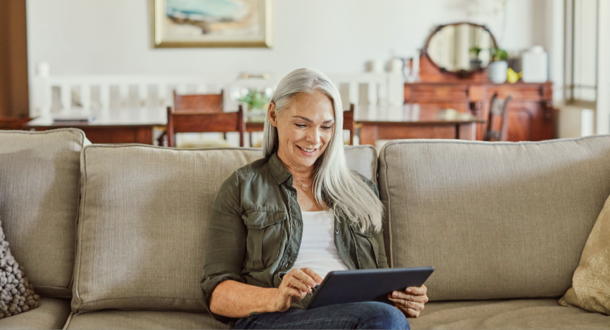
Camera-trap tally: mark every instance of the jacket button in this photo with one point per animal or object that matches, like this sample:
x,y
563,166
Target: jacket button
x,y
336,231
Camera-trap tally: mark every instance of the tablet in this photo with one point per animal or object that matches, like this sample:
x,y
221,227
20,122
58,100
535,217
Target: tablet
x,y
348,286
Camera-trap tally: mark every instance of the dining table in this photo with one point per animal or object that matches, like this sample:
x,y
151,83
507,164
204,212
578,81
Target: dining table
x,y
408,121
135,125
413,121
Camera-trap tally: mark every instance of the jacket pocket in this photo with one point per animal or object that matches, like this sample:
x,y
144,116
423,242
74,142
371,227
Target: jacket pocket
x,y
267,234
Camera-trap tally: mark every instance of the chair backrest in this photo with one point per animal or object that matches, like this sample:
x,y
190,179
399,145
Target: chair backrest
x,y
498,108
202,113
348,123
201,103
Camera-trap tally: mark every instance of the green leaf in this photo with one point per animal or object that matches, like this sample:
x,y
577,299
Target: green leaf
x,y
498,54
254,100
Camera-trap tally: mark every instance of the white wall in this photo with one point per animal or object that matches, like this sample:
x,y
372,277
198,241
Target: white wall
x,y
335,36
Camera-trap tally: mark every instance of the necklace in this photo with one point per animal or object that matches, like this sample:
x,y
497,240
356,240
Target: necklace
x,y
303,186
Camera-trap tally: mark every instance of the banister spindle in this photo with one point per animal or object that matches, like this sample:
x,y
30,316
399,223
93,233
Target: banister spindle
x,y
65,97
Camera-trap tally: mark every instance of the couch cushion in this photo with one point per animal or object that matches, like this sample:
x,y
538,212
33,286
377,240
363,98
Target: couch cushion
x,y
39,182
51,314
142,225
497,220
144,320
507,314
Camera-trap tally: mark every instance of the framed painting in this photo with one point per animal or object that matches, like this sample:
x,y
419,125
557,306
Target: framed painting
x,y
212,23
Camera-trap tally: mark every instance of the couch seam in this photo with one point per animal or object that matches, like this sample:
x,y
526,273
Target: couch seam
x,y
375,165
76,288
129,145
383,153
82,147
466,142
53,287
124,298
68,321
50,131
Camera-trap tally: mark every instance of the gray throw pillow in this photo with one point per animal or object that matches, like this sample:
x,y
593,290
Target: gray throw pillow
x,y
16,291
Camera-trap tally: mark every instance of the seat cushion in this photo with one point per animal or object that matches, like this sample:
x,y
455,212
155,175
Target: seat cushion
x,y
39,187
507,314
51,314
144,320
143,223
496,220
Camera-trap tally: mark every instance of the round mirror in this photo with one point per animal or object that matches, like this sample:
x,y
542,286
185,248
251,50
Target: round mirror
x,y
461,48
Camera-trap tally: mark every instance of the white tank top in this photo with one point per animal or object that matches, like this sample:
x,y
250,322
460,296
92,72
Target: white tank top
x,y
318,250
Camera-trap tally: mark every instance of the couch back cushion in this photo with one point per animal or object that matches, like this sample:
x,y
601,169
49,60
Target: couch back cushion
x,y
496,220
143,222
39,182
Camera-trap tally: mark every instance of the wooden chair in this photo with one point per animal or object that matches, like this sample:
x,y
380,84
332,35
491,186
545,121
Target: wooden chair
x,y
348,123
202,113
498,108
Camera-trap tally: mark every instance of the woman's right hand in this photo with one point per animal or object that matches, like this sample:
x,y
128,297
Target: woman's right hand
x,y
295,286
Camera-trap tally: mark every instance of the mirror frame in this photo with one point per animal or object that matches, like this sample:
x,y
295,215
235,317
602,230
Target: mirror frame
x,y
461,73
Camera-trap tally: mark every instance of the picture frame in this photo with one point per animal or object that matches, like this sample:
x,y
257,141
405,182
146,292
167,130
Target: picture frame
x,y
212,23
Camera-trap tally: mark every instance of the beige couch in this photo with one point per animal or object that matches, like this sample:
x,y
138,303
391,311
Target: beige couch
x,y
504,224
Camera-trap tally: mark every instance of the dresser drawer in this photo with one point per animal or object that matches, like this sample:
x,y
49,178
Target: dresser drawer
x,y
431,93
518,92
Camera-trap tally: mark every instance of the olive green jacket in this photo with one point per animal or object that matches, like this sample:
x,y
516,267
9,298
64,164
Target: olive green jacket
x,y
255,231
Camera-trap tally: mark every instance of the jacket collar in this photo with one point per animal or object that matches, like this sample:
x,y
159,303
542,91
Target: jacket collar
x,y
281,175
278,171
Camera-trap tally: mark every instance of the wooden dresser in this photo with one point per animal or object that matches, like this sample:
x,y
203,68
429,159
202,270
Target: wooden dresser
x,y
531,116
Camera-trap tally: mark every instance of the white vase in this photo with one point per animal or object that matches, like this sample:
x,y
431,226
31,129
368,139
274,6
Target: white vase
x,y
535,65
496,72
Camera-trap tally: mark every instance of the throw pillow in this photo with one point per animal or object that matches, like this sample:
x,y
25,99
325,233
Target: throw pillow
x,y
591,281
16,290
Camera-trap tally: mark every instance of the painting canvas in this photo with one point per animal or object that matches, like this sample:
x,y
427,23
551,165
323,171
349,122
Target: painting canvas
x,y
212,23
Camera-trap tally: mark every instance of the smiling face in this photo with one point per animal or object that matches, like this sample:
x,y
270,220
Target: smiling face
x,y
304,129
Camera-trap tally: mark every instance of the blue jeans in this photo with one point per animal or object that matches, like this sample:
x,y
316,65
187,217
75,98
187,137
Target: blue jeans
x,y
362,315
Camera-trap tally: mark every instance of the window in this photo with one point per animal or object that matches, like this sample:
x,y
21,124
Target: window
x,y
581,51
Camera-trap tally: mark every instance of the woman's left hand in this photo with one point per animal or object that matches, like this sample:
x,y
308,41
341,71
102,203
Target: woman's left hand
x,y
411,301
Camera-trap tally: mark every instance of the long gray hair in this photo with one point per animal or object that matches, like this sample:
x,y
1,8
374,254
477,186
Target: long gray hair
x,y
348,193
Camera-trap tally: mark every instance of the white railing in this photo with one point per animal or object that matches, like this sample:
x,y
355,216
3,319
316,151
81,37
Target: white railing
x,y
370,89
107,94
62,93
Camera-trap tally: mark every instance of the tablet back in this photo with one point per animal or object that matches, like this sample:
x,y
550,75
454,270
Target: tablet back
x,y
350,286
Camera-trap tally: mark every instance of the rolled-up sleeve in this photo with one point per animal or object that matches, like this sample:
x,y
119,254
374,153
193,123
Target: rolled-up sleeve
x,y
226,245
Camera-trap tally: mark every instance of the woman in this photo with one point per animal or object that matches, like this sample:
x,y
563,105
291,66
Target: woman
x,y
281,223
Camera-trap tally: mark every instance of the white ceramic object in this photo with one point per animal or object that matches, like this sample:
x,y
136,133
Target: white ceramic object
x,y
394,65
375,66
535,65
496,72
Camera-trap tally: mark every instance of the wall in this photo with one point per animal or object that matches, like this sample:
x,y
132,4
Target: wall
x,y
335,36
13,59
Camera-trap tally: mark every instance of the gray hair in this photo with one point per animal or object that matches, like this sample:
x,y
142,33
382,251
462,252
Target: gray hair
x,y
348,193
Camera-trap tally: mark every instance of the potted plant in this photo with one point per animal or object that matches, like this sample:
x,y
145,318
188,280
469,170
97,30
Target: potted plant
x,y
256,104
498,67
475,61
